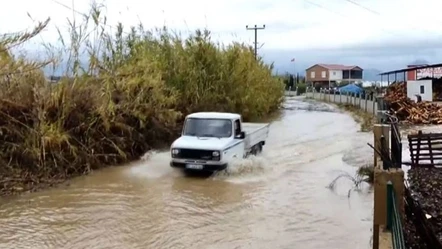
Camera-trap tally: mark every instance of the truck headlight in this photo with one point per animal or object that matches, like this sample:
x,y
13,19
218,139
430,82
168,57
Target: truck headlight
x,y
175,152
216,156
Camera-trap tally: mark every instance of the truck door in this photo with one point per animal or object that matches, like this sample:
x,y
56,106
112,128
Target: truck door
x,y
238,150
237,128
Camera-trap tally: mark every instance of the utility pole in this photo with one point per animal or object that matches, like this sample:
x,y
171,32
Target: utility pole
x,y
256,37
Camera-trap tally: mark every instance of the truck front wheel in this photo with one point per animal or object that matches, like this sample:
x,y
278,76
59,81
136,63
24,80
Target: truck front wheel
x,y
259,148
256,149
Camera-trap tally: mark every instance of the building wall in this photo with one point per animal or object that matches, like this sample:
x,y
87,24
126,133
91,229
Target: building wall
x,y
335,74
318,71
415,86
411,75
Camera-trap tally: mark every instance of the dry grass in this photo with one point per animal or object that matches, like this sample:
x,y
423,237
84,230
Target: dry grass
x,y
131,97
366,120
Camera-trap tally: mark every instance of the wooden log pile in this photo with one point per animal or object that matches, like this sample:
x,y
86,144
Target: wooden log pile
x,y
408,110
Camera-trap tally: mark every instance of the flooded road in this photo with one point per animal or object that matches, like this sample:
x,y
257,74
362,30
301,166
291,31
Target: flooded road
x,y
277,200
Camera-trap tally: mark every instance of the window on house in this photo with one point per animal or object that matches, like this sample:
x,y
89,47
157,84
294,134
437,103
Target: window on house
x,y
312,74
323,74
422,89
334,73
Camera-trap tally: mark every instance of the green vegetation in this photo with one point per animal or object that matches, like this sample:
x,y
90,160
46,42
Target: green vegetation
x,y
366,172
363,174
301,88
131,97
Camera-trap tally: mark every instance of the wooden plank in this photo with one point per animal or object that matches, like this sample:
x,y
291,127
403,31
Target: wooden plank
x,y
418,148
436,155
425,142
427,147
413,161
425,135
425,165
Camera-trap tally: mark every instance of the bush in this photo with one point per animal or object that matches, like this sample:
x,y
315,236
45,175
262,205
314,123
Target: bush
x,y
301,88
132,96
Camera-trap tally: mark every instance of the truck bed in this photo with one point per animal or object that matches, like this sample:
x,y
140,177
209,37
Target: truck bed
x,y
255,133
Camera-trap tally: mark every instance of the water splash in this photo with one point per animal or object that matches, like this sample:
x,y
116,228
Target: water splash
x,y
253,168
153,164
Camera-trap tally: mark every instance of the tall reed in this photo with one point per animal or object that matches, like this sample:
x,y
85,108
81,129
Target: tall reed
x,y
129,97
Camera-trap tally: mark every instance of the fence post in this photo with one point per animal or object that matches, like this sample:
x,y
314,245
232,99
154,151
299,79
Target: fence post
x,y
389,204
366,102
374,105
379,131
340,97
381,179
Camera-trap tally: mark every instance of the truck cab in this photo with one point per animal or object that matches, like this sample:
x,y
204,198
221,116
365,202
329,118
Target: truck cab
x,y
210,141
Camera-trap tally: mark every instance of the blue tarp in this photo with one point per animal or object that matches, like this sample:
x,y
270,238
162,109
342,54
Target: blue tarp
x,y
351,88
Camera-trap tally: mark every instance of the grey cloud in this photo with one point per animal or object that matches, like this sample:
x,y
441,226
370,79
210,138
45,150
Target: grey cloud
x,y
384,57
272,28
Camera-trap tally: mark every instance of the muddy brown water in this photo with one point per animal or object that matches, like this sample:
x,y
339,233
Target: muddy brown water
x,y
277,200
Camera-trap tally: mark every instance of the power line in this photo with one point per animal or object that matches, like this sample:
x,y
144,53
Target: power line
x,y
340,14
363,7
256,28
379,14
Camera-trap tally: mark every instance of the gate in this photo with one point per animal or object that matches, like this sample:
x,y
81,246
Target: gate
x,y
425,149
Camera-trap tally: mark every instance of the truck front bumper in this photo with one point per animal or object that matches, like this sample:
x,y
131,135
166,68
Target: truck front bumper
x,y
204,166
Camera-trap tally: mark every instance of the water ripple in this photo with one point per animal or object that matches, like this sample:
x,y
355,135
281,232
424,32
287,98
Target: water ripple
x,y
276,200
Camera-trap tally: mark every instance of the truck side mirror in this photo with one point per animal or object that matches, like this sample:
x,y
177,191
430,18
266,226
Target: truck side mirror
x,y
241,135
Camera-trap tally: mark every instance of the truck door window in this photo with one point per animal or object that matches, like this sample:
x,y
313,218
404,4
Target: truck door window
x,y
237,127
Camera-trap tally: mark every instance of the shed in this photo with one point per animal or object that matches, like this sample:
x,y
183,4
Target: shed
x,y
352,89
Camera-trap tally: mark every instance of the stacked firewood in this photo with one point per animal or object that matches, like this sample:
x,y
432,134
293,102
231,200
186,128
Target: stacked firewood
x,y
408,110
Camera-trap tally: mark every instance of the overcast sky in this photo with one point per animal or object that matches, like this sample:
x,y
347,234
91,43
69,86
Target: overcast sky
x,y
383,34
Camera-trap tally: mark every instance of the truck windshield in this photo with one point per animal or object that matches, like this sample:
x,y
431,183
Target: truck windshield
x,y
208,127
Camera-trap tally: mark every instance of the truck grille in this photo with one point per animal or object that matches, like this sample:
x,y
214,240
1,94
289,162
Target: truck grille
x,y
195,154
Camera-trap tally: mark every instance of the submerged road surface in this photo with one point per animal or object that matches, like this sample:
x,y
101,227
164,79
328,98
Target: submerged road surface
x,y
278,200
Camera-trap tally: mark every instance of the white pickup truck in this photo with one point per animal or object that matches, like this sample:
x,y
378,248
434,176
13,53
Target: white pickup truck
x,y
211,140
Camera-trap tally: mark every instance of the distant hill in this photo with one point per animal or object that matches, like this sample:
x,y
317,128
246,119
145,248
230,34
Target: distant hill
x,y
371,74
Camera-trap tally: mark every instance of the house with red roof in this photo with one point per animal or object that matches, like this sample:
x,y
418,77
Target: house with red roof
x,y
328,75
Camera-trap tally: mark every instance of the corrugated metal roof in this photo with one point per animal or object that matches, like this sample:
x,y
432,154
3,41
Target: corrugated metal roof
x,y
411,69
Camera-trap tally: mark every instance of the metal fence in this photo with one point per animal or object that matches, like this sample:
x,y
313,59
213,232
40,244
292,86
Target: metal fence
x,y
396,145
394,219
394,156
392,159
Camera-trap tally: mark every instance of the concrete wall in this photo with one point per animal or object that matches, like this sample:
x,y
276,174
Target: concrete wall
x,y
414,87
363,103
